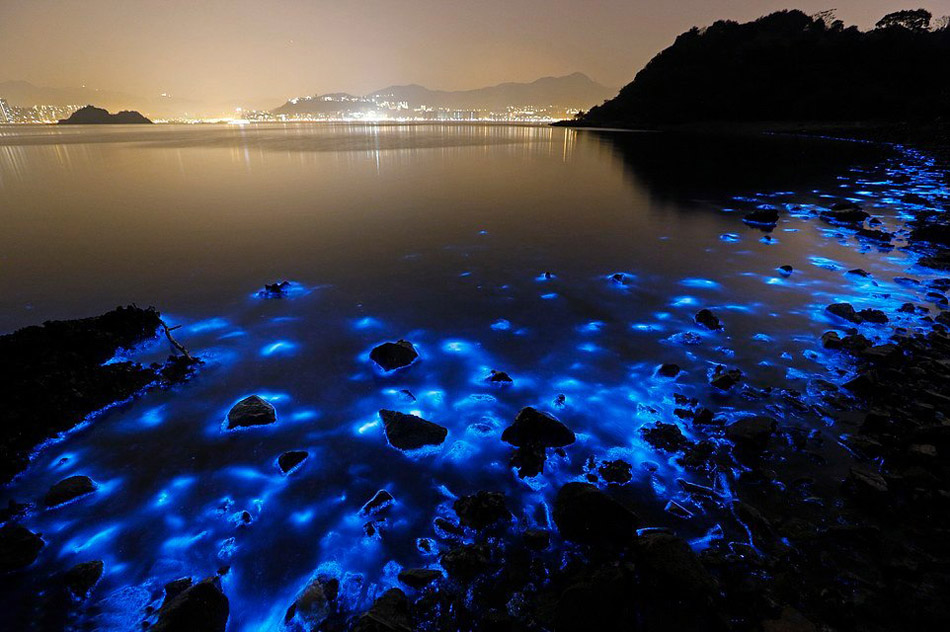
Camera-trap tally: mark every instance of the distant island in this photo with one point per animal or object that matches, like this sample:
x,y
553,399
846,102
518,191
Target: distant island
x,y
790,67
91,115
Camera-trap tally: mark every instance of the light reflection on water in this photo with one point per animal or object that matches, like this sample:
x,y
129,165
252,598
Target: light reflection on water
x,y
490,247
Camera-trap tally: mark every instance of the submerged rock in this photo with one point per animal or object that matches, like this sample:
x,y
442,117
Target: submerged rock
x,y
394,355
408,432
83,577
199,608
68,489
418,578
708,320
251,411
585,514
481,510
288,461
19,547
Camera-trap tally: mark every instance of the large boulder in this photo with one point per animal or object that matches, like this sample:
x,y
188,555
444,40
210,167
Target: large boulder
x,y
68,489
585,514
200,608
481,510
394,355
408,432
251,411
18,547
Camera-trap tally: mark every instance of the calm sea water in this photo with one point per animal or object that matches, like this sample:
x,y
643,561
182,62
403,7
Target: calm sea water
x,y
438,234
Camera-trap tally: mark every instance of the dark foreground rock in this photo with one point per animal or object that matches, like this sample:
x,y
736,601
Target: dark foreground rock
x,y
199,608
288,461
390,613
19,547
394,355
68,489
54,375
585,514
408,432
481,510
532,433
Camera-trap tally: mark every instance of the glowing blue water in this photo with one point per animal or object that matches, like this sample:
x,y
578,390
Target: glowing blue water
x,y
510,266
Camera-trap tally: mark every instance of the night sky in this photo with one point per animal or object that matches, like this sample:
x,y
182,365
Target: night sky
x,y
217,49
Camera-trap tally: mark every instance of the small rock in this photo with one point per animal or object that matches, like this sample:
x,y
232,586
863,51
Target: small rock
x,y
82,578
275,290
786,270
380,501
481,510
499,377
844,213
665,437
617,472
288,461
200,608
708,320
408,432
251,411
19,547
844,311
873,316
668,370
68,489
724,379
585,514
418,578
534,428
394,355
761,217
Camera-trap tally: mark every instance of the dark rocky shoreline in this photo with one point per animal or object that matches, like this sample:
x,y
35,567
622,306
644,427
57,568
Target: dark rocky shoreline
x,y
852,543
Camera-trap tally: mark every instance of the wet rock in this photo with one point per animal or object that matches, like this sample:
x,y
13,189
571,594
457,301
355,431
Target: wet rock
x,y
874,235
176,587
408,432
200,608
466,562
275,290
251,411
670,564
310,609
19,547
724,379
866,484
708,320
288,461
380,501
418,578
617,472
844,311
532,427
390,613
585,514
447,529
668,370
786,270
844,214
873,316
751,433
82,578
499,377
619,278
482,510
68,489
394,355
860,272
762,217
831,340
665,437
532,432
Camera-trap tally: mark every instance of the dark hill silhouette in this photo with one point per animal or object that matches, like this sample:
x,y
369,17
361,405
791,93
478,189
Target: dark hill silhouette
x,y
789,66
91,115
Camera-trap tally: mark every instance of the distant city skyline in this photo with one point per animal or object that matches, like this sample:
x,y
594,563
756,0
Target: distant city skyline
x,y
218,51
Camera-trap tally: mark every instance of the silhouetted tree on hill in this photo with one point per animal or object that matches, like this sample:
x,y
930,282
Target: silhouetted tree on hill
x,y
789,66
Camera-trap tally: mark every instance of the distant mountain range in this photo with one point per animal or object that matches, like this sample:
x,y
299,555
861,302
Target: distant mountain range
x,y
575,91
